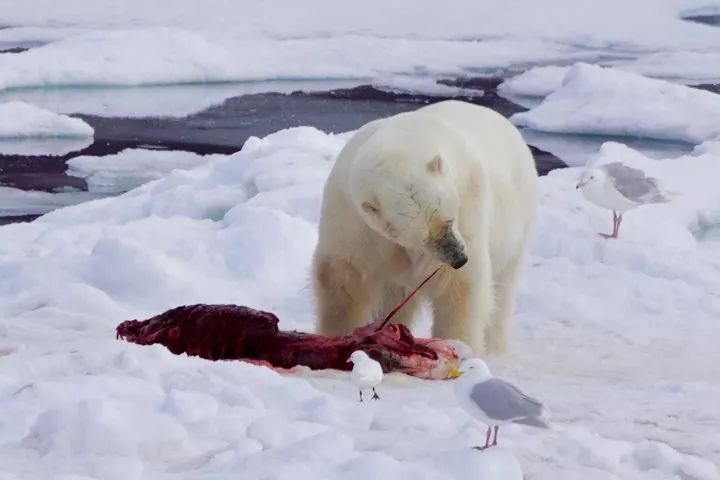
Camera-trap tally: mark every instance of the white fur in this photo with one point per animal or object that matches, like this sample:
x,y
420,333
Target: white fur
x,y
453,168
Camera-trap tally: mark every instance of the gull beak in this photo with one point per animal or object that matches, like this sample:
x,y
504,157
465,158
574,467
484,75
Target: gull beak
x,y
454,373
580,185
349,360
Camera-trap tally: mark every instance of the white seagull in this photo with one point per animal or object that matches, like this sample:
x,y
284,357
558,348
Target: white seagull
x,y
619,188
494,401
366,373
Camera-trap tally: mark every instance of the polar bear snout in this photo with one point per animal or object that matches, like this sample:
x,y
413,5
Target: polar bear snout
x,y
450,250
455,257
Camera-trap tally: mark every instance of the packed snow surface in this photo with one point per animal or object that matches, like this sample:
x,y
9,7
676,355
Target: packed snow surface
x,y
617,339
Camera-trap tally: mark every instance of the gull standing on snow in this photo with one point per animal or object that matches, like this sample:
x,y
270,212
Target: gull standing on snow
x,y
619,188
366,373
494,401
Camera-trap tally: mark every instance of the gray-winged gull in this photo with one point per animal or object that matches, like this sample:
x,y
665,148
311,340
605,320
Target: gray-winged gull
x,y
619,188
494,401
366,373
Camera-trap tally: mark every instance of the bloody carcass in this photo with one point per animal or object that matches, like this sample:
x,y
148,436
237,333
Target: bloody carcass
x,y
231,332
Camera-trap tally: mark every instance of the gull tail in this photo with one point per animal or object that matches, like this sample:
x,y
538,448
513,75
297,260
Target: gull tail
x,y
662,195
660,198
532,422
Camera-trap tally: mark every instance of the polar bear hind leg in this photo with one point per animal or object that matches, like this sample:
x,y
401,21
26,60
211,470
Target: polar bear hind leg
x,y
505,288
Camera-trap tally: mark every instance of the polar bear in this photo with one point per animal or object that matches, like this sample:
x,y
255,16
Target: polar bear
x,y
450,185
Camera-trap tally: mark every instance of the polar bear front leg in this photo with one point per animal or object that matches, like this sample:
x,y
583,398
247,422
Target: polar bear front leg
x,y
463,306
505,288
341,296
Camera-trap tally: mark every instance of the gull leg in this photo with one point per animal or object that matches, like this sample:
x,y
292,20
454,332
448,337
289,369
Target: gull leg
x,y
495,437
616,225
375,395
487,441
360,395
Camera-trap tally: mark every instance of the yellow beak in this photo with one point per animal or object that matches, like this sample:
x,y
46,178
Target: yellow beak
x,y
454,373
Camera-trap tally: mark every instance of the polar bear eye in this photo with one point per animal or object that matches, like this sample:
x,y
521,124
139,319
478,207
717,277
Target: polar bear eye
x,y
370,208
435,165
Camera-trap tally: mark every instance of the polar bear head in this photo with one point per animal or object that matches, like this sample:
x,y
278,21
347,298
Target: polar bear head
x,y
403,188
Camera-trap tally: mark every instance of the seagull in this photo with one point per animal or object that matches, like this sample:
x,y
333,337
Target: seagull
x,y
619,188
366,373
494,401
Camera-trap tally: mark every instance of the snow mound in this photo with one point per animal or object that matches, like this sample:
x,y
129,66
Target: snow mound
x,y
20,119
535,82
131,168
597,100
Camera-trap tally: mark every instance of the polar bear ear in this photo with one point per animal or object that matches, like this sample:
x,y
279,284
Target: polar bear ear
x,y
371,208
435,165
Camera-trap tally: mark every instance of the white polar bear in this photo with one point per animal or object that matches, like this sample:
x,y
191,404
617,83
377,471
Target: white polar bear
x,y
449,184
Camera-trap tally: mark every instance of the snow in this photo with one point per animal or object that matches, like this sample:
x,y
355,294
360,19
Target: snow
x,y
616,338
105,43
597,100
131,168
22,120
